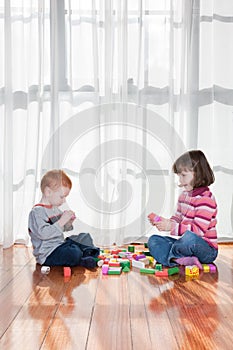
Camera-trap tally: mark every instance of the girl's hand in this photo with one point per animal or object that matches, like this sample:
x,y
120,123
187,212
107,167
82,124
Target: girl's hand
x,y
163,224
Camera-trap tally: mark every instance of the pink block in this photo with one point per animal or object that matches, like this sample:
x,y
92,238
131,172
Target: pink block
x,y
105,269
153,217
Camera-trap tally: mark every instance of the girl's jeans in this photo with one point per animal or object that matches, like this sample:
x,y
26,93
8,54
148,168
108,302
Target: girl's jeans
x,y
166,248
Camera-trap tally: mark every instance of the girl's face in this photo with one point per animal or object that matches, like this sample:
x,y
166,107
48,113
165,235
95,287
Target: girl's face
x,y
186,179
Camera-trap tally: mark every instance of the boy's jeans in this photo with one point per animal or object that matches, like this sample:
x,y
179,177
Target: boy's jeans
x,y
166,248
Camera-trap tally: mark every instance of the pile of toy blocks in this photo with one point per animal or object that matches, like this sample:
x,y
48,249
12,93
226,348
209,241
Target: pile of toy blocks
x,y
116,261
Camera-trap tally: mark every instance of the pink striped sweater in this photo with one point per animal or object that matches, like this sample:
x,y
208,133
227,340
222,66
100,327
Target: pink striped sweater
x,y
196,212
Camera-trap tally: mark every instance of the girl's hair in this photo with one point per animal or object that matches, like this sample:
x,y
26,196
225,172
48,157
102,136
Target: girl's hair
x,y
55,179
195,161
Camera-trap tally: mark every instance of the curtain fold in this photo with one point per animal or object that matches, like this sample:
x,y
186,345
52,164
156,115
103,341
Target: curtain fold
x,y
112,91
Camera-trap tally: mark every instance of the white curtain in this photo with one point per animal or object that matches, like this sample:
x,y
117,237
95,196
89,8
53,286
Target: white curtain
x,y
112,91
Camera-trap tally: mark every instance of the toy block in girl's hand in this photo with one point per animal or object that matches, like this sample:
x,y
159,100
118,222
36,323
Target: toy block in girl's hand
x,y
153,217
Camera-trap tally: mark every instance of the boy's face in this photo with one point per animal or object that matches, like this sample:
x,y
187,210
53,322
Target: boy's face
x,y
57,197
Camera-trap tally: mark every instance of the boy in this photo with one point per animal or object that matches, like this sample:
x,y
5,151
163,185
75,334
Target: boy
x,y
47,222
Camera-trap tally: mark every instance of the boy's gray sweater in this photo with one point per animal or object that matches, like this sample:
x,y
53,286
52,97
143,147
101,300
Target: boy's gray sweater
x,y
46,234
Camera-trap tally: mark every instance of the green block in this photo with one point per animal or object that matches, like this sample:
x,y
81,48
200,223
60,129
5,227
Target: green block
x,y
126,269
114,272
145,245
131,248
125,263
158,267
173,270
149,271
147,253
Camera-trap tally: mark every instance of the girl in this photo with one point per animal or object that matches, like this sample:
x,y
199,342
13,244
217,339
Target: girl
x,y
194,220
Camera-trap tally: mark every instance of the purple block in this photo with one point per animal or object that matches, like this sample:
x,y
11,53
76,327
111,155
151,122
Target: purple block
x,y
212,268
140,256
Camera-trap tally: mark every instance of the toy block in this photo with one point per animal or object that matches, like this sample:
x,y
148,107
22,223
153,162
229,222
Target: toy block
x,y
146,261
206,268
153,217
148,271
140,256
45,270
191,270
114,271
147,253
131,248
122,254
163,273
151,259
115,252
145,245
66,271
158,267
173,270
138,264
212,268
126,269
125,263
100,263
114,264
105,269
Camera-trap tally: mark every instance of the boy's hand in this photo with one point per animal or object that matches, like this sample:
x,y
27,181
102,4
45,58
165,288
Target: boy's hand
x,y
67,216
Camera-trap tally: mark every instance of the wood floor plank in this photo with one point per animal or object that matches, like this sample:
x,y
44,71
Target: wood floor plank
x,y
110,323
70,327
138,315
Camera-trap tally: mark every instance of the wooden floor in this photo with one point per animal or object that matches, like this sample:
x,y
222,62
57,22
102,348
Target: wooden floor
x,y
130,311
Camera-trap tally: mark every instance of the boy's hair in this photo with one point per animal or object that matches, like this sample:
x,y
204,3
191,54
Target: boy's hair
x,y
55,179
195,161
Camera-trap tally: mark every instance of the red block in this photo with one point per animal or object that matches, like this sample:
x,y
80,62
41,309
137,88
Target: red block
x,y
67,271
161,273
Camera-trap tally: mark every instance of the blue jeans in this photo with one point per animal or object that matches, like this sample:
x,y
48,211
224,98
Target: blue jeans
x,y
66,254
71,252
165,249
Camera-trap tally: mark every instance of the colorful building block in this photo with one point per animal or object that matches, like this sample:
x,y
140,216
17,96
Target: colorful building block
x,y
173,270
114,270
148,271
126,269
191,270
131,248
213,268
66,271
163,273
153,217
158,267
45,270
206,268
138,264
105,269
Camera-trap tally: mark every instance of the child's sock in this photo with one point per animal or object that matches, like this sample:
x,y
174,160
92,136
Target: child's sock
x,y
88,262
189,260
